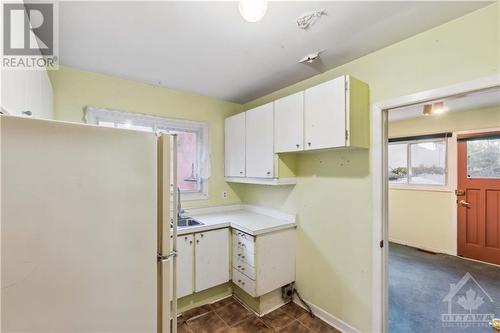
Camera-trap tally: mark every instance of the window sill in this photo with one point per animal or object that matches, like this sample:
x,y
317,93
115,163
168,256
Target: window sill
x,y
427,188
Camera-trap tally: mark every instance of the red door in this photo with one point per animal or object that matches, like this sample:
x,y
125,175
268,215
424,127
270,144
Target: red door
x,y
478,197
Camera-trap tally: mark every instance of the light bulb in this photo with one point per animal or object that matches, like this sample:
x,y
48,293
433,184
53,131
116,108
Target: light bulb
x,y
252,10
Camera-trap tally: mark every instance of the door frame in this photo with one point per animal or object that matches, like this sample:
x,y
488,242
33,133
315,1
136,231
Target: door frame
x,y
379,137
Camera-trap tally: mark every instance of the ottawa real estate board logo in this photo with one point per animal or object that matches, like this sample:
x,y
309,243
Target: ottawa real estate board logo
x,y
30,38
468,304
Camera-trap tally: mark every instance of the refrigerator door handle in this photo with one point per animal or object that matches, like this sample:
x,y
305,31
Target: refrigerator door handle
x,y
167,257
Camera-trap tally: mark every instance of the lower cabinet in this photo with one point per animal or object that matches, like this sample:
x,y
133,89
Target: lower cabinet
x,y
185,260
263,263
211,259
202,261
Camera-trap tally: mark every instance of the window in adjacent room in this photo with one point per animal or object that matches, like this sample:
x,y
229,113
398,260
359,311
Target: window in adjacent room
x,y
418,160
192,159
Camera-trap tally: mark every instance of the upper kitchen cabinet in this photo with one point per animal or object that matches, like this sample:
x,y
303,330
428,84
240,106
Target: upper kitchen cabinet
x,y
235,154
289,123
336,115
260,142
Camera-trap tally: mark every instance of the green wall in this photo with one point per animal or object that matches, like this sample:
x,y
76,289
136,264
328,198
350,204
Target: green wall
x,y
75,89
333,196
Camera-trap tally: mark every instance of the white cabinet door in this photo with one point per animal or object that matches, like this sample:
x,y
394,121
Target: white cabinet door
x,y
234,139
211,258
185,265
325,115
260,141
289,123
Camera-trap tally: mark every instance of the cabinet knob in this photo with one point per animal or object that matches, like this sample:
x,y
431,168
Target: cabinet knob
x,y
309,144
239,266
243,283
243,268
239,254
297,145
239,243
185,238
239,281
243,257
190,242
201,235
241,172
197,241
269,172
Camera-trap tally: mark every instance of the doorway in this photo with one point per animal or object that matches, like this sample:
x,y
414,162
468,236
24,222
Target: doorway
x,y
381,186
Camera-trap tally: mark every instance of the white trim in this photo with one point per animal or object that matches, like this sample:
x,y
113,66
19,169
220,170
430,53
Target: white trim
x,y
327,317
262,181
379,178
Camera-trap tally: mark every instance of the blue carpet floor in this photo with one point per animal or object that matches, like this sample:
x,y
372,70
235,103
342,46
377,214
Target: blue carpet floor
x,y
419,282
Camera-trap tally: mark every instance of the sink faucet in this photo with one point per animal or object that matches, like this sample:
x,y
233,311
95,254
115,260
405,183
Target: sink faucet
x,y
180,211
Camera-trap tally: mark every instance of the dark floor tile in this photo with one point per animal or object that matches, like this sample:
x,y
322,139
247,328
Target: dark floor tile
x,y
233,313
251,325
293,310
193,313
277,319
207,323
295,327
316,325
183,328
222,303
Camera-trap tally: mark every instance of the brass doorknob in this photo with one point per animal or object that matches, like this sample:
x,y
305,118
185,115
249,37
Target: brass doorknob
x,y
495,325
464,203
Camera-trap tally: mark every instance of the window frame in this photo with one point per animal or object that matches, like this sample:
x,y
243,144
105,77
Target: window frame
x,y
167,125
446,187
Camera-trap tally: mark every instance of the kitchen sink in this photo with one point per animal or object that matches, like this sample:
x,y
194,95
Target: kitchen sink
x,y
188,222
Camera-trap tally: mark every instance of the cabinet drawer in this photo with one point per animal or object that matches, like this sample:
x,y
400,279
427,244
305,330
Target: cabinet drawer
x,y
244,268
243,241
244,282
243,254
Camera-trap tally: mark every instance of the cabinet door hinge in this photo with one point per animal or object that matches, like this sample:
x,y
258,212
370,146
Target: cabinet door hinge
x,y
381,243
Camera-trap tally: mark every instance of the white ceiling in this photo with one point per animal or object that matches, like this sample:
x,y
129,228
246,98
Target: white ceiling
x,y
208,49
476,100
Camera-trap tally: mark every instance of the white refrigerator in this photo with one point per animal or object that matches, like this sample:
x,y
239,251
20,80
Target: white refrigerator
x,y
85,228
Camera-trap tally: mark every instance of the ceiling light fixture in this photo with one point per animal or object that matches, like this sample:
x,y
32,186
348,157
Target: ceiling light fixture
x,y
252,10
427,110
438,107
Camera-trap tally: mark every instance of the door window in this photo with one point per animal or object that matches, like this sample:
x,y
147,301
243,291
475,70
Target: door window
x,y
483,158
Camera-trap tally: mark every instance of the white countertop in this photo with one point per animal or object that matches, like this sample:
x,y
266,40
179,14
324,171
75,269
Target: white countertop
x,y
252,220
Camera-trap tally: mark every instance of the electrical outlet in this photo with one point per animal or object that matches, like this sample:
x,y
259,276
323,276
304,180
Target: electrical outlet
x,y
224,195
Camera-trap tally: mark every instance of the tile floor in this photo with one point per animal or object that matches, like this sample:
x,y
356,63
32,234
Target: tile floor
x,y
229,316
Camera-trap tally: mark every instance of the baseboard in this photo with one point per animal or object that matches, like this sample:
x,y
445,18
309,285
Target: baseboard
x,y
425,248
333,321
